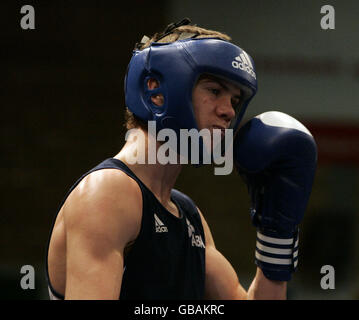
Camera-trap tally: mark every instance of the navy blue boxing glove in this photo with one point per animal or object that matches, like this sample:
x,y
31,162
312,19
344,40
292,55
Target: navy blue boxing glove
x,y
276,156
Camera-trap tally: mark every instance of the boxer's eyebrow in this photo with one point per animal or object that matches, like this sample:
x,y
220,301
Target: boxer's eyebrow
x,y
213,79
210,78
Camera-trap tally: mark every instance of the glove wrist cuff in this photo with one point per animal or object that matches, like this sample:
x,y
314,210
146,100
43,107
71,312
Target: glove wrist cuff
x,y
277,256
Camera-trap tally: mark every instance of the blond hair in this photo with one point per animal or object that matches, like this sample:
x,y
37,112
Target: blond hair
x,y
184,32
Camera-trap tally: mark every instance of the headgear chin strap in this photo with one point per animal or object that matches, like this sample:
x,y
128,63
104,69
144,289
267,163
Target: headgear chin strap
x,y
177,67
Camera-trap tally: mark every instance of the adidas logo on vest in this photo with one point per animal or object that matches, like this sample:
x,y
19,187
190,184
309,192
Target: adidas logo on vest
x,y
160,227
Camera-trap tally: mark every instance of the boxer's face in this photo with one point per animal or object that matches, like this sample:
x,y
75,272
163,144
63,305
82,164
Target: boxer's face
x,y
214,102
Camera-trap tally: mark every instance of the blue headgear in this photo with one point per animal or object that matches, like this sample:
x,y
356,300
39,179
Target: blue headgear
x,y
177,66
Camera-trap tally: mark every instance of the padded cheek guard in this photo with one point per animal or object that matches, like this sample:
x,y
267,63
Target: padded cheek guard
x,y
177,66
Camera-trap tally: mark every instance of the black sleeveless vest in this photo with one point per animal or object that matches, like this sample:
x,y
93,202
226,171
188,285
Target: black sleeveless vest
x,y
167,260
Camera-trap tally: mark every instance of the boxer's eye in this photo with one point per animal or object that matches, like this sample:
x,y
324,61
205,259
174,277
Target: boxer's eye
x,y
215,91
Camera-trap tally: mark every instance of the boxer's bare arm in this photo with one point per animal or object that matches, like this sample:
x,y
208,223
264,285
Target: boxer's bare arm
x,y
222,282
221,279
101,216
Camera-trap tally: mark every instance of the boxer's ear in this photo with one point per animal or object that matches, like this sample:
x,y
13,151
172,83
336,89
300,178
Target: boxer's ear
x,y
157,98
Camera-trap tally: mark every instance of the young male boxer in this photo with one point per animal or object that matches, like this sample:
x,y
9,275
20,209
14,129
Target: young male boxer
x,y
124,232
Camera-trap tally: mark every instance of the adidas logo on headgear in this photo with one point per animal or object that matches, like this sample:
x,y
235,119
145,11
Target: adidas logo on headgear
x,y
243,62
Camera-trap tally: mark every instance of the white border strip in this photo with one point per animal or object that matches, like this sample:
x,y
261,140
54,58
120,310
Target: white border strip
x,y
273,250
273,260
274,240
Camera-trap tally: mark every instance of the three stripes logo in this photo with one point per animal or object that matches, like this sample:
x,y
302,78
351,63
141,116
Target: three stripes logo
x,y
244,63
280,252
160,227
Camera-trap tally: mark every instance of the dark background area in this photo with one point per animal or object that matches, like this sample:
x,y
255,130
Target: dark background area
x,y
62,112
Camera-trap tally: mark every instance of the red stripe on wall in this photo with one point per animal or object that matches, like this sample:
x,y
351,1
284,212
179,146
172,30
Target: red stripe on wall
x,y
337,143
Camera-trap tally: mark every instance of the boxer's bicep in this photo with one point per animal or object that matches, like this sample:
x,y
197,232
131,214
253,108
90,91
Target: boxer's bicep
x,y
99,224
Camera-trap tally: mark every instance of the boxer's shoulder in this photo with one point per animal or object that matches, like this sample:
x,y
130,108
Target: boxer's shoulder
x,y
104,195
